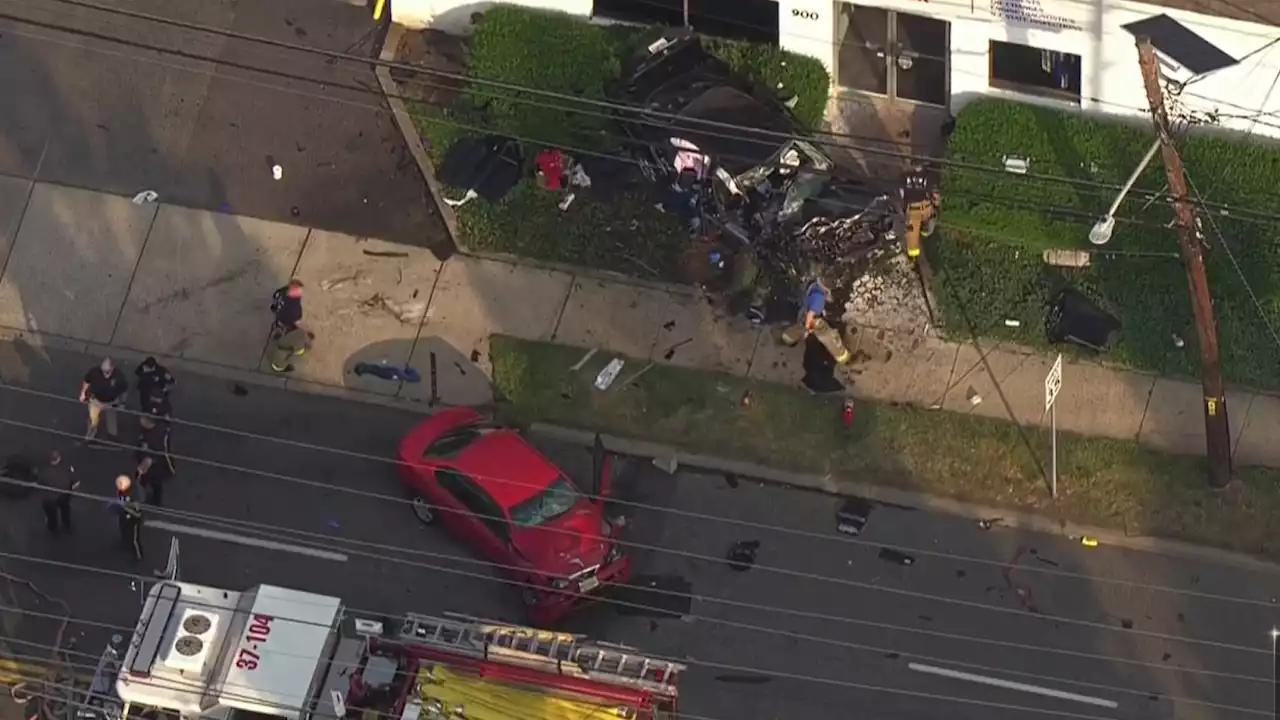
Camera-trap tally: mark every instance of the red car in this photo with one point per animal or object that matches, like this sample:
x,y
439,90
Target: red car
x,y
489,487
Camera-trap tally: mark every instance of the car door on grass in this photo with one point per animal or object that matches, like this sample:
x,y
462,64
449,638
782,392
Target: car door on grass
x,y
483,524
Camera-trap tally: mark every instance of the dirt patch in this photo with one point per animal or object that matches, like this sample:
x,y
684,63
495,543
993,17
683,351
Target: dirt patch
x,y
435,51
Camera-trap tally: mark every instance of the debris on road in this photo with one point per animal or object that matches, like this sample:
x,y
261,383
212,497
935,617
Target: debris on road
x,y
277,172
146,196
990,523
667,465
852,516
895,557
655,596
731,480
742,555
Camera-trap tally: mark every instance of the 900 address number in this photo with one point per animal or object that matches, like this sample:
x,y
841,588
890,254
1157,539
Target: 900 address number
x,y
804,14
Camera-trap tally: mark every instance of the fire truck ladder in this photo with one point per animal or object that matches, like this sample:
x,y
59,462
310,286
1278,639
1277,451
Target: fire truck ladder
x,y
606,662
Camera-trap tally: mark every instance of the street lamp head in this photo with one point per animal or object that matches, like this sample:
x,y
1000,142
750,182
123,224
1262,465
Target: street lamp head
x,y
1100,233
1275,634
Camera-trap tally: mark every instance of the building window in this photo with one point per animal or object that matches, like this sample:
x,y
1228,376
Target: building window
x,y
1031,70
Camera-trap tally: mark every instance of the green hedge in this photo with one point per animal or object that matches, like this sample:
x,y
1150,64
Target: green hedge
x,y
996,226
559,53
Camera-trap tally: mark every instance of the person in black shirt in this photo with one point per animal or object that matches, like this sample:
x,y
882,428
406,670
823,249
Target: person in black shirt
x,y
58,481
288,338
154,383
104,390
155,464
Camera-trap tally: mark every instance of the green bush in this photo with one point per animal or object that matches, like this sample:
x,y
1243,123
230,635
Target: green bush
x,y
996,225
558,53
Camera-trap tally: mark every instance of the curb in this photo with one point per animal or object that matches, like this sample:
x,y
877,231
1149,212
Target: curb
x,y
404,122
1014,519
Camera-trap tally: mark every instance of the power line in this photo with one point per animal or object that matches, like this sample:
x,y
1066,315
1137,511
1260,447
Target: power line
x,y
533,486
356,664
181,686
702,618
576,100
1061,213
317,540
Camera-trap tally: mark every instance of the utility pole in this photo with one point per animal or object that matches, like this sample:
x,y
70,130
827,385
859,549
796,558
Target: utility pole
x,y
1217,431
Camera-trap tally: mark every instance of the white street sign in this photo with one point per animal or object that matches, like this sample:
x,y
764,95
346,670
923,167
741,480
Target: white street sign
x,y
1053,383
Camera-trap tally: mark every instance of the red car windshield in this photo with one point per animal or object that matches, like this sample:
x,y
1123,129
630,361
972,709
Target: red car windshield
x,y
555,500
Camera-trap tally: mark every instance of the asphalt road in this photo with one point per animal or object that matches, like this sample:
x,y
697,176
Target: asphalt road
x,y
103,115
840,632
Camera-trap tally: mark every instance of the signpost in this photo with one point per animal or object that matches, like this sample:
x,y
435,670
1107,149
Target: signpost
x,y
1052,384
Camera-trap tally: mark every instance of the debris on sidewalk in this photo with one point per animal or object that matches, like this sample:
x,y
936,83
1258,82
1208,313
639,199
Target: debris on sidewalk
x,y
974,398
742,555
609,374
146,196
336,282
671,351
386,253
406,312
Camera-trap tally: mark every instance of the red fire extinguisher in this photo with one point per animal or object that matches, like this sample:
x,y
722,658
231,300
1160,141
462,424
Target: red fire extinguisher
x,y
846,413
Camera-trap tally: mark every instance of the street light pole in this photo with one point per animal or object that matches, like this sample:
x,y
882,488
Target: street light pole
x,y
686,13
1100,233
1217,430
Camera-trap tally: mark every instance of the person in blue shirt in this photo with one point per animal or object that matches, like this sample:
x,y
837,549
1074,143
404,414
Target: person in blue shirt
x,y
815,303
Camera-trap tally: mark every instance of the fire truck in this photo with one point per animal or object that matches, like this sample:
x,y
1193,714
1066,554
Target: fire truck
x,y
272,652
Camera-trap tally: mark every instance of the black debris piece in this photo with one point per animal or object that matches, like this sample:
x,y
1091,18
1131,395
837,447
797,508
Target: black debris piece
x,y
988,524
239,390
893,655
742,554
926,618
1182,618
1126,623
1034,551
386,253
1153,698
852,516
294,211
960,573
1047,561
1166,657
475,356
653,626
669,325
895,557
731,480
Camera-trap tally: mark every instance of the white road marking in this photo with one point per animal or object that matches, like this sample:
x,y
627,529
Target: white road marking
x,y
246,540
1010,685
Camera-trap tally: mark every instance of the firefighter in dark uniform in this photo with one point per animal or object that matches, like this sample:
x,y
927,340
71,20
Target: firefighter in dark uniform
x,y
918,207
155,463
128,517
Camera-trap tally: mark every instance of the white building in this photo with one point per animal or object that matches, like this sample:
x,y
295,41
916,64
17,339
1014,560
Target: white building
x,y
1066,53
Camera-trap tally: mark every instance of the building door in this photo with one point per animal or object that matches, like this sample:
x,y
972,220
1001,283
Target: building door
x,y
897,54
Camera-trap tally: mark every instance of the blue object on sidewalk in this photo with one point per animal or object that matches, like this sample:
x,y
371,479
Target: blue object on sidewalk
x,y
387,372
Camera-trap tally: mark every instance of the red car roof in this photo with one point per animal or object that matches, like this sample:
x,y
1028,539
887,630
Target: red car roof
x,y
510,469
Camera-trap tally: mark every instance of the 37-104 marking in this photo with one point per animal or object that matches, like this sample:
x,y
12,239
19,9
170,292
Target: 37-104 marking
x,y
247,658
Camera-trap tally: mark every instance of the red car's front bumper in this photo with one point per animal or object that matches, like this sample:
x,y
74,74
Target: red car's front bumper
x,y
547,607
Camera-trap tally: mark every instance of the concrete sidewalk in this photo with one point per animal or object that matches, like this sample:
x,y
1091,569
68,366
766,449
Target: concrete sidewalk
x,y
94,271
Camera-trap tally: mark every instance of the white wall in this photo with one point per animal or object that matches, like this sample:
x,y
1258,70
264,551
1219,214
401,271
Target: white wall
x,y
1242,96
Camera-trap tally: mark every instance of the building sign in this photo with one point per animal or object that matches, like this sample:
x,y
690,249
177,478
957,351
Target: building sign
x,y
1031,12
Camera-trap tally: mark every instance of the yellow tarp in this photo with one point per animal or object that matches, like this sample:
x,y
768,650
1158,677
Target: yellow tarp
x,y
485,700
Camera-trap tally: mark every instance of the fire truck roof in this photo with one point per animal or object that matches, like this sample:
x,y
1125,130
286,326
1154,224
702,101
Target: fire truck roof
x,y
197,647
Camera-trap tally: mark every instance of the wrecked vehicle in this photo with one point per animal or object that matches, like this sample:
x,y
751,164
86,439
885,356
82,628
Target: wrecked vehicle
x,y
736,165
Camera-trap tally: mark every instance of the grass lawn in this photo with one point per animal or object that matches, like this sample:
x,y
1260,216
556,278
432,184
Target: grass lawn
x,y
1102,482
996,225
559,53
